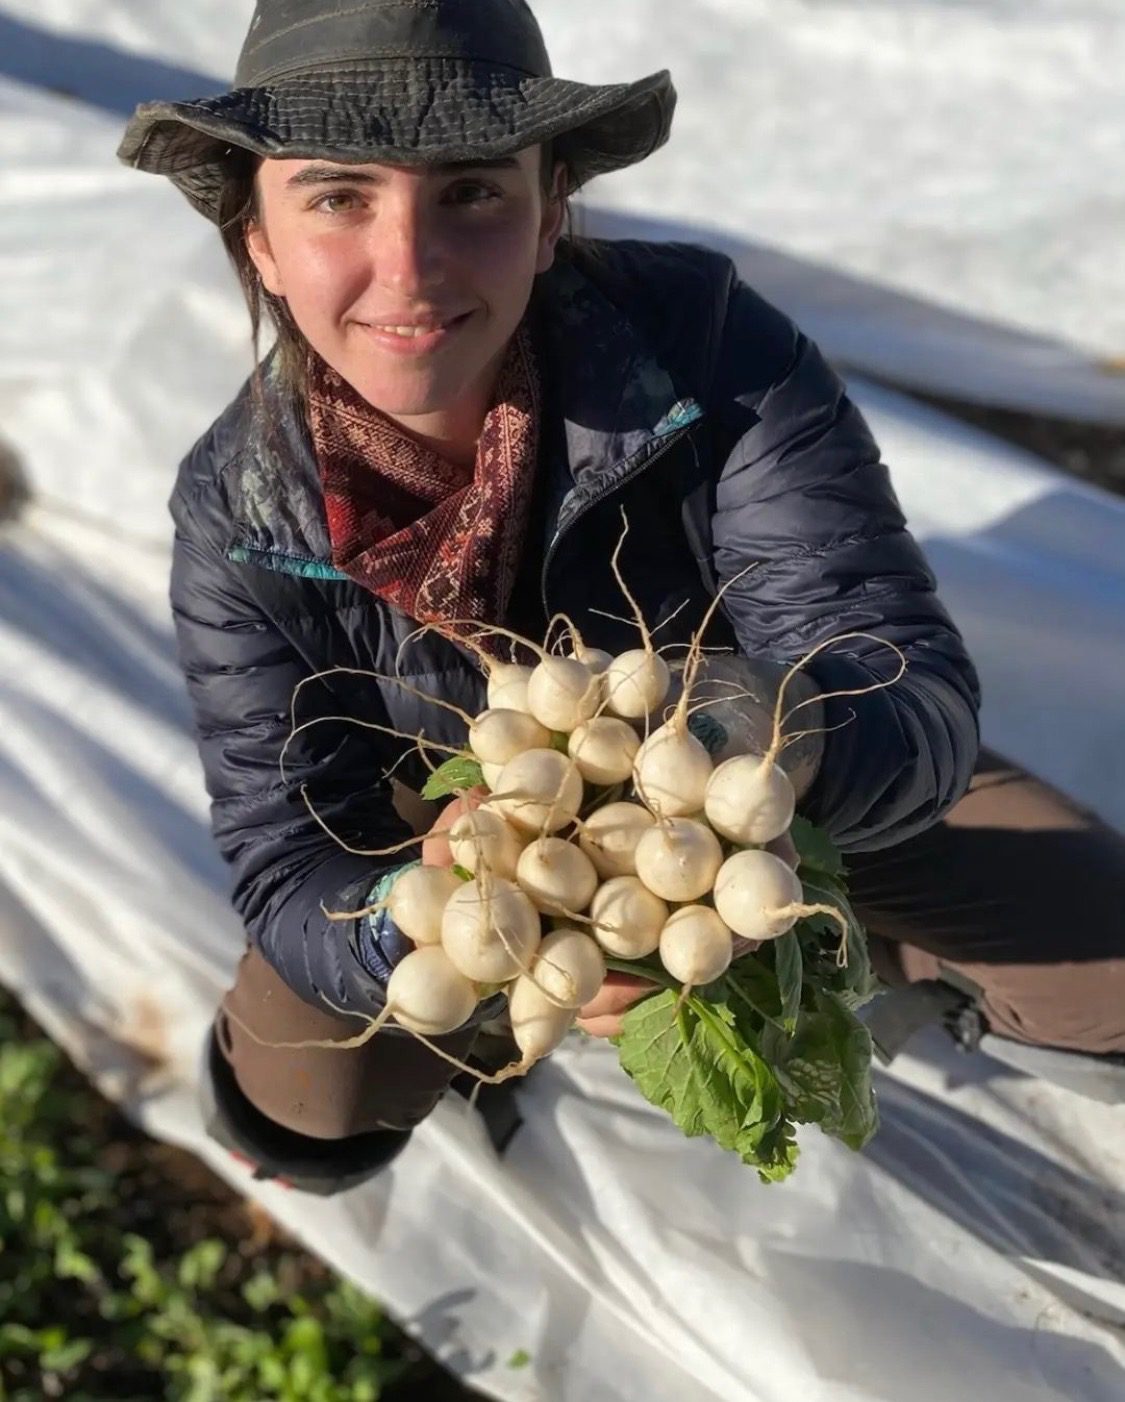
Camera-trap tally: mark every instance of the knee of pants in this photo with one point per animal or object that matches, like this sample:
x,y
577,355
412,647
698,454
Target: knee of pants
x,y
326,1087
1071,1006
321,1166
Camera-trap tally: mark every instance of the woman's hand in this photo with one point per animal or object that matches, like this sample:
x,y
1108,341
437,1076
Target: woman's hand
x,y
601,1016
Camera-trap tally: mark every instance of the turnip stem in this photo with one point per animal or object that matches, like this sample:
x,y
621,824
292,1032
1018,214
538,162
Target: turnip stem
x,y
576,639
695,651
354,914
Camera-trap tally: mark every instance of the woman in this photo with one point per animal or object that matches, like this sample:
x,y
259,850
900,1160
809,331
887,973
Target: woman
x,y
461,404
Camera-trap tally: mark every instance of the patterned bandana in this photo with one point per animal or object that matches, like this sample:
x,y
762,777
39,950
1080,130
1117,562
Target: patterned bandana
x,y
437,540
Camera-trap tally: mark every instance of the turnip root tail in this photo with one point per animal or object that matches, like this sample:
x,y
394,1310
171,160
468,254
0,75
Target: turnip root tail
x,y
418,739
577,642
800,911
329,1043
614,564
390,851
780,720
515,1068
466,632
694,656
354,914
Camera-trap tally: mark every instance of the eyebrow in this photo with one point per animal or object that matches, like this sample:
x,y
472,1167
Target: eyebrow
x,y
327,175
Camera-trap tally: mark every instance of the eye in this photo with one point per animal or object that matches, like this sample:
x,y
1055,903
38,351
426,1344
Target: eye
x,y
336,202
472,192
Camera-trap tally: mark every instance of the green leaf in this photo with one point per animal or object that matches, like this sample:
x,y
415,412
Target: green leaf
x,y
67,1355
789,968
261,1292
751,986
458,772
825,1071
201,1264
688,1057
520,1359
461,873
816,848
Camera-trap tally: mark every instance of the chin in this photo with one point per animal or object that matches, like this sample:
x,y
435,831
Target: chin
x,y
398,399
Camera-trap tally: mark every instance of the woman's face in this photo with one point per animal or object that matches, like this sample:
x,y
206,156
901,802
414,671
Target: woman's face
x,y
408,281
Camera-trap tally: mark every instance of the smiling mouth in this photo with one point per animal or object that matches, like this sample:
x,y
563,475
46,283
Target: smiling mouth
x,y
413,333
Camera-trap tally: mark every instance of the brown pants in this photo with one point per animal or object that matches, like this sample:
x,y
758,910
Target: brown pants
x,y
1017,888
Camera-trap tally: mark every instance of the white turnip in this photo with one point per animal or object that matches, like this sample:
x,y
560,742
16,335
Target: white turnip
x,y
758,895
562,693
490,930
427,994
539,791
596,658
609,837
538,1026
636,683
507,686
483,837
557,875
695,945
671,771
604,749
499,734
627,917
417,900
569,967
750,800
678,859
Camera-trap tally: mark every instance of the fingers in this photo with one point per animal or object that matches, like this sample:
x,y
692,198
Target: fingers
x,y
601,1026
601,1016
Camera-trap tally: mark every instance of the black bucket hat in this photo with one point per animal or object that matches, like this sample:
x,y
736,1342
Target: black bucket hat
x,y
399,81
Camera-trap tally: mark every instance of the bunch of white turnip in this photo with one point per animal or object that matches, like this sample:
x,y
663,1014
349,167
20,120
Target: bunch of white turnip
x,y
555,871
607,835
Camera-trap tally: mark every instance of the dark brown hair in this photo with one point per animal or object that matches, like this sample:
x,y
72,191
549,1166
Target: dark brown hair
x,y
238,211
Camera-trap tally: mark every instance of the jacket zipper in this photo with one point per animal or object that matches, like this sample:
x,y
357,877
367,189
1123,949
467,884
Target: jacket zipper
x,y
669,442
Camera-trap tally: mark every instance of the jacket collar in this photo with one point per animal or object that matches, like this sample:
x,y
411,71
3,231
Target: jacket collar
x,y
612,398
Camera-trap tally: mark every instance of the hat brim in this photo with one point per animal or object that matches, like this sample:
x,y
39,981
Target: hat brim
x,y
397,112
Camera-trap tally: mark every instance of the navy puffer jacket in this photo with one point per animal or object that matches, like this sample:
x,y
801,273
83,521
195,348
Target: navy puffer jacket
x,y
671,389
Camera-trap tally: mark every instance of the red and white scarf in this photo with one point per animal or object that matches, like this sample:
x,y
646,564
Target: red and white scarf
x,y
437,540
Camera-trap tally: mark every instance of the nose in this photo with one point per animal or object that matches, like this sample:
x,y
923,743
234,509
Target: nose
x,y
408,256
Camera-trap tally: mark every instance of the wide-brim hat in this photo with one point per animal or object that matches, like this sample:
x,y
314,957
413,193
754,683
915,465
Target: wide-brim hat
x,y
399,82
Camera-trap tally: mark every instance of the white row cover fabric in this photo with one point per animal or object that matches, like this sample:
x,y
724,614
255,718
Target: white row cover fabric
x,y
977,1247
